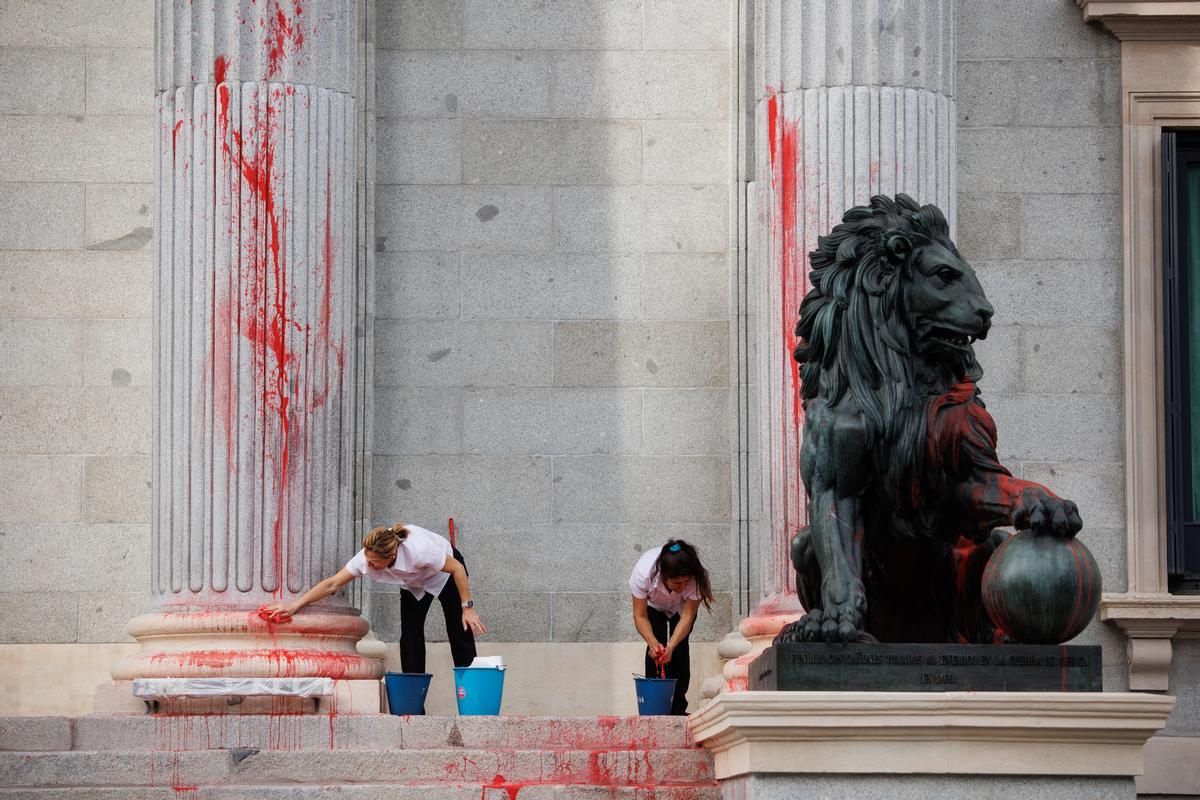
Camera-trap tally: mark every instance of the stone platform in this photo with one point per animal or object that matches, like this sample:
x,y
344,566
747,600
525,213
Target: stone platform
x,y
362,757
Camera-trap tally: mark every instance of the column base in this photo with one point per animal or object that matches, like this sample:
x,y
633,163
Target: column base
x,y
759,630
349,697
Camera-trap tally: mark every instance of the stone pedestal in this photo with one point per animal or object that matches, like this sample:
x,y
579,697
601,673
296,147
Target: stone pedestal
x,y
254,356
928,745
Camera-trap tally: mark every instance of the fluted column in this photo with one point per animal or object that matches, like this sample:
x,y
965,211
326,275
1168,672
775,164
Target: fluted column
x,y
255,304
852,98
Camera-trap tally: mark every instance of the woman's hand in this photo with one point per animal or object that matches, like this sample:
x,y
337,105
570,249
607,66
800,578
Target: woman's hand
x,y
663,657
471,620
278,612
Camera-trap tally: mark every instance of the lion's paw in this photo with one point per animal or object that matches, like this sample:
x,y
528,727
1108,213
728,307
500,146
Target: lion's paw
x,y
1044,513
843,622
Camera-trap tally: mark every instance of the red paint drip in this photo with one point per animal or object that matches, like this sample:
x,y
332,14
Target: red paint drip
x,y
220,68
283,31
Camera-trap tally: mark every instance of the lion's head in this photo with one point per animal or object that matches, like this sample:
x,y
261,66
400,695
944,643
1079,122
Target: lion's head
x,y
892,314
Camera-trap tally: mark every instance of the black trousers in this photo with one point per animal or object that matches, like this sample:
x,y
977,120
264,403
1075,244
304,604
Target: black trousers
x,y
412,627
680,666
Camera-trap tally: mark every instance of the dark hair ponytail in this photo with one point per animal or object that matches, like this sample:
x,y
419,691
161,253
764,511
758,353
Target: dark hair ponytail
x,y
678,559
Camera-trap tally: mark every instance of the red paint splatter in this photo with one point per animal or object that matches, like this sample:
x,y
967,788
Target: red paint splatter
x,y
220,68
283,31
175,137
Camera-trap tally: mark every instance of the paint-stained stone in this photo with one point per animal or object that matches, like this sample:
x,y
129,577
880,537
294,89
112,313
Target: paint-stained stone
x,y
417,285
41,352
1000,357
41,216
65,23
566,25
551,286
99,551
686,25
88,148
685,153
74,285
988,226
418,150
641,353
1043,293
641,489
1065,427
1085,360
119,216
40,488
466,353
448,83
104,616
1068,160
416,421
686,421
1097,487
39,617
116,489
117,352
37,80
1070,226
598,218
986,94
544,152
120,81
548,421
476,490
685,286
686,219
418,24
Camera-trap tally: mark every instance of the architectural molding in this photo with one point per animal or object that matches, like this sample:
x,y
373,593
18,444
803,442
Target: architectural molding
x,y
936,733
1146,20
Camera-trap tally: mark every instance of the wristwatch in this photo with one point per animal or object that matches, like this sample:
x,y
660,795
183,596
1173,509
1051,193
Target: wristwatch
x,y
468,604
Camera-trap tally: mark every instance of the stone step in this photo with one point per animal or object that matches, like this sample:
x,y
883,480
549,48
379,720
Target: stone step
x,y
656,767
340,732
373,792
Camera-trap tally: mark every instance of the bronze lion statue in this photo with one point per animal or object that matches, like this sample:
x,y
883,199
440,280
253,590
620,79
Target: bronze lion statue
x,y
899,453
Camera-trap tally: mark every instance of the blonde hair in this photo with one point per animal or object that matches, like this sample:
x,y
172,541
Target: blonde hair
x,y
385,540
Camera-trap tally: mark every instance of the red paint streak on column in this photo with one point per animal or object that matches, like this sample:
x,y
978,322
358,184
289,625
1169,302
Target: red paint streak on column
x,y
175,137
220,68
282,31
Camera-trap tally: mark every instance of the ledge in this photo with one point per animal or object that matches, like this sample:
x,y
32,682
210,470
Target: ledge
x,y
1146,20
1150,622
960,733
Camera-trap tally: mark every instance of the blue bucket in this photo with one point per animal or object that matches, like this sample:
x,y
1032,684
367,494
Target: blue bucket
x,y
479,690
654,695
406,691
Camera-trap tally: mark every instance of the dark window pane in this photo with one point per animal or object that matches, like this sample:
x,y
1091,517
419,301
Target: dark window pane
x,y
1191,347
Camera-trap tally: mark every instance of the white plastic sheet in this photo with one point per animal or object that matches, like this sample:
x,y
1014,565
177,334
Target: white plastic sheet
x,y
166,688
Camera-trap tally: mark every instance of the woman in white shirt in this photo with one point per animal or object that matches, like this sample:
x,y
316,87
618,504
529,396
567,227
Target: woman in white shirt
x,y
668,585
426,566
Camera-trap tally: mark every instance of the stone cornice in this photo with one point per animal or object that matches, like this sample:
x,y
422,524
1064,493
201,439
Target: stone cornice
x,y
1146,20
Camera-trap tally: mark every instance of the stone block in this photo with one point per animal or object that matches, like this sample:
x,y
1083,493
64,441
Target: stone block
x,y
539,421
1074,360
641,85
104,616
117,352
1185,674
65,23
413,421
1060,427
38,80
468,353
418,24
774,786
39,617
115,421
75,285
1098,488
102,556
1044,293
93,149
74,420
417,285
559,286
641,354
418,217
1076,226
598,219
693,219
41,216
120,81
506,219
509,617
1110,547
482,491
440,83
30,734
40,488
1053,160
1000,356
685,152
418,150
1068,92
118,216
988,226
641,489
986,93
687,25
1032,29
686,422
545,152
116,489
41,352
594,617
685,286
568,25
